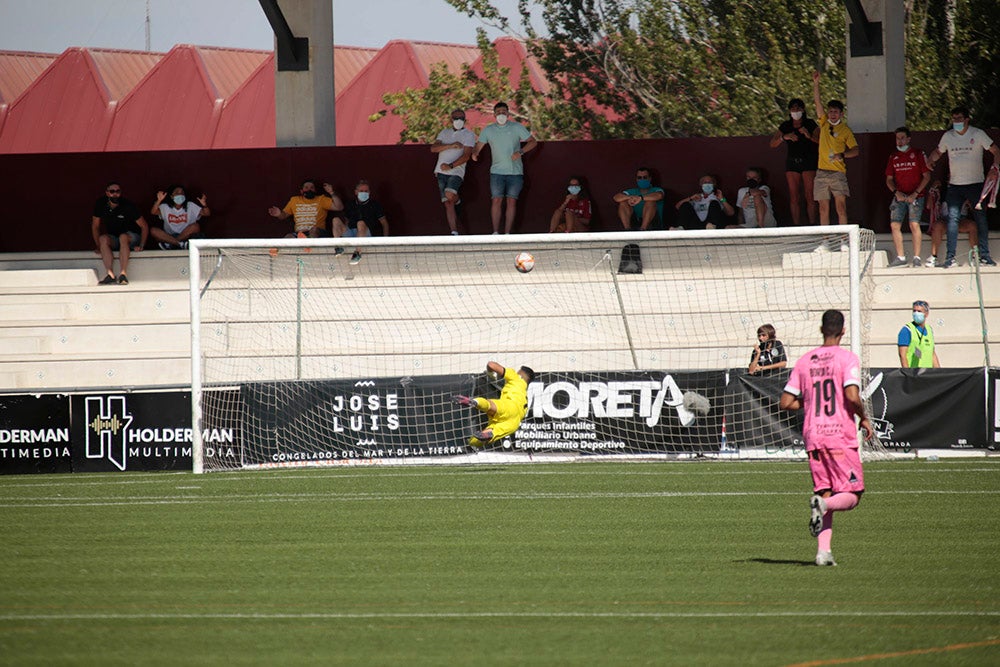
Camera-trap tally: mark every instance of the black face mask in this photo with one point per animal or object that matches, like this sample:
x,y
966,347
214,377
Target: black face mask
x,y
752,183
309,194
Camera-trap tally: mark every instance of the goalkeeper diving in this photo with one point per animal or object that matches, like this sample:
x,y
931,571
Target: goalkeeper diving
x,y
505,413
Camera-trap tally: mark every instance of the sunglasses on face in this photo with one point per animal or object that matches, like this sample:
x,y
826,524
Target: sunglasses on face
x,y
113,192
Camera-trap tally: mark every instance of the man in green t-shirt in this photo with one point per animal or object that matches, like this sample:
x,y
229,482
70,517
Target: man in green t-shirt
x,y
508,141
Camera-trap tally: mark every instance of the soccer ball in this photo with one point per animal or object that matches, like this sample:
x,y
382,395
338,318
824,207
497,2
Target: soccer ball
x,y
524,262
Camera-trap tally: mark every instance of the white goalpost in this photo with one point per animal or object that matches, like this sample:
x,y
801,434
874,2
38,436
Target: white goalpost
x,y
640,342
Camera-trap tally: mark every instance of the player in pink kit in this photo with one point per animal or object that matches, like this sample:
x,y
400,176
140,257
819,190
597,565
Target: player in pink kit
x,y
826,384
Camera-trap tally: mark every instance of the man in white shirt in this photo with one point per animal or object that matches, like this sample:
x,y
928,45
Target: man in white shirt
x,y
965,146
454,148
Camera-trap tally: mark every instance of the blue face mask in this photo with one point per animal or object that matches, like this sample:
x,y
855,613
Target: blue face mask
x,y
179,199
918,317
363,196
958,126
708,188
643,183
574,189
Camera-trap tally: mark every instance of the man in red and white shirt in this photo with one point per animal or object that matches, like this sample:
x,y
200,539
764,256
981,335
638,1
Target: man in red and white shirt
x,y
906,176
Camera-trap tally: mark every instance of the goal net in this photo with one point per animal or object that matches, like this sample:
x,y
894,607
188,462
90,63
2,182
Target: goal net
x,y
640,343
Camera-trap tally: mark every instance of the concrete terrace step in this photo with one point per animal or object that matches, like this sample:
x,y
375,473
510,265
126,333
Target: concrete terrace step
x,y
20,278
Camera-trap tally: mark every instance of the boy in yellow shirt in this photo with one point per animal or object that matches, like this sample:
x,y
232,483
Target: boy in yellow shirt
x,y
836,143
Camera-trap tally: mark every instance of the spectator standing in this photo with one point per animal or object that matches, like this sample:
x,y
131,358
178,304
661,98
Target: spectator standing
x,y
180,217
117,225
706,209
309,210
365,216
754,201
964,145
836,143
508,141
906,176
800,135
642,205
916,340
454,146
573,214
938,221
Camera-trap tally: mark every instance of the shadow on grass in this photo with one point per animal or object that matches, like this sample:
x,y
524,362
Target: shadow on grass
x,y
775,561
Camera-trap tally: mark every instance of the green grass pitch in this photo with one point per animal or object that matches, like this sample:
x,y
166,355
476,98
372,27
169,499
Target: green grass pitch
x,y
583,564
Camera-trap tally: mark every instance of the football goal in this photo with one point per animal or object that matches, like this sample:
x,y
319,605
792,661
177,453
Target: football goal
x,y
640,342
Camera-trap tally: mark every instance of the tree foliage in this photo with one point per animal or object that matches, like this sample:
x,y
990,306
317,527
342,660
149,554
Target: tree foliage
x,y
671,68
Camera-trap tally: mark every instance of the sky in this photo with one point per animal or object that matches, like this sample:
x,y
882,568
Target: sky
x,y
52,26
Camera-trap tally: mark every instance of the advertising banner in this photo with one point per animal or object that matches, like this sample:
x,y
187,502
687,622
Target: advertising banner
x,y
34,434
413,417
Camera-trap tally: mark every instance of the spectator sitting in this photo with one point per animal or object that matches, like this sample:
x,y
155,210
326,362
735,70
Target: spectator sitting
x,y
117,225
706,209
365,216
641,205
180,218
754,202
769,355
573,214
309,210
938,216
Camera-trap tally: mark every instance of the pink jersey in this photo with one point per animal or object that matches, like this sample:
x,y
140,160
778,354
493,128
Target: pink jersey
x,y
819,379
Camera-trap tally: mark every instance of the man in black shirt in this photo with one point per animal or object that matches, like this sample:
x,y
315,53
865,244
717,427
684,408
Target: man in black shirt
x,y
365,216
117,225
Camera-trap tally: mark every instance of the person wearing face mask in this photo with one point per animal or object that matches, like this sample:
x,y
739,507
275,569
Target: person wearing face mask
x,y
180,218
117,225
641,206
573,215
800,135
965,145
906,176
365,216
836,144
706,209
453,146
309,210
508,141
916,340
754,201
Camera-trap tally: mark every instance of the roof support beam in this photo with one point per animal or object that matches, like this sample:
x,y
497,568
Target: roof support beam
x,y
292,51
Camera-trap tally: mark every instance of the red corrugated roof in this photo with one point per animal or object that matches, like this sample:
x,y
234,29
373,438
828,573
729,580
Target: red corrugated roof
x,y
18,69
202,97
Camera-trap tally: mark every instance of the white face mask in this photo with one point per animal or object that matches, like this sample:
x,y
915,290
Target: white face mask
x,y
501,119
574,189
836,122
903,149
363,196
796,115
457,123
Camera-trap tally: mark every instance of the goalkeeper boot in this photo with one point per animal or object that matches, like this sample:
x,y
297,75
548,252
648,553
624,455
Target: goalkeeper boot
x,y
462,400
825,558
483,436
817,508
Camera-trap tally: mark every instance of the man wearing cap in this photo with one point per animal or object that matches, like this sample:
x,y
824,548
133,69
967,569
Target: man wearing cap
x,y
916,340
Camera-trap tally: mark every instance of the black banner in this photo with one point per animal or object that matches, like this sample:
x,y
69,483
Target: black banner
x,y
930,408
34,434
413,417
753,420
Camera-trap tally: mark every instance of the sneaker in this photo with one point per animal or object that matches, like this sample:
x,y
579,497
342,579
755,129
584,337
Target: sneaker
x,y
355,257
817,508
899,261
916,262
338,251
825,558
165,246
931,262
987,261
948,263
108,280
454,233
183,245
122,279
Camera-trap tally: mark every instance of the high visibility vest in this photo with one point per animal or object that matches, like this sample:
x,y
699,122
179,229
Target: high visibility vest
x,y
920,353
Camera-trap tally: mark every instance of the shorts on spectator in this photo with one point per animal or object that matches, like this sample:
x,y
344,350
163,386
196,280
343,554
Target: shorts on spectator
x,y
506,185
134,239
448,183
350,232
830,184
900,211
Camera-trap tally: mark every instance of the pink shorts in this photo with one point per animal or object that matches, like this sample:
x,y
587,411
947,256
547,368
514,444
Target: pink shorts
x,y
837,469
